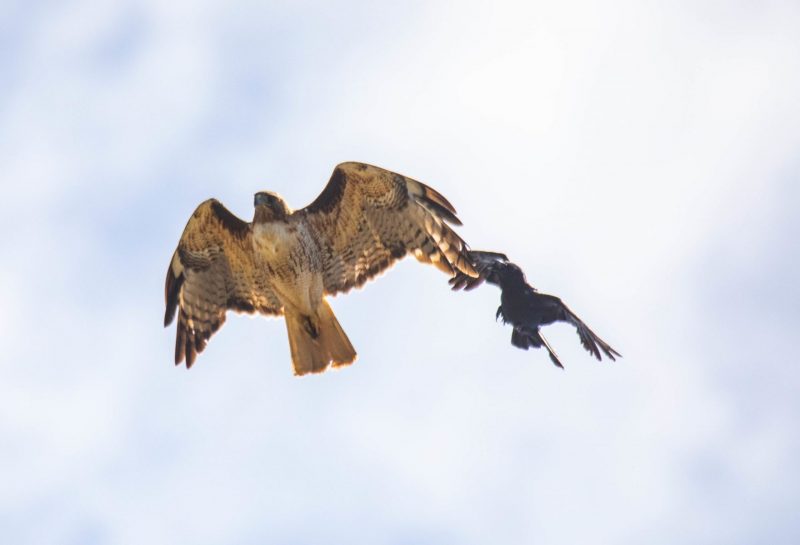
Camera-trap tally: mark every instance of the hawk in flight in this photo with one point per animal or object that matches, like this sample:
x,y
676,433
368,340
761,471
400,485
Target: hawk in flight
x,y
285,262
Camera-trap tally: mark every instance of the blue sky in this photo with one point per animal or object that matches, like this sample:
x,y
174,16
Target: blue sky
x,y
639,160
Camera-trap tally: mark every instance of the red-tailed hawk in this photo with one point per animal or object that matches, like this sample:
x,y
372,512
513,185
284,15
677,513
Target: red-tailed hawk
x,y
286,262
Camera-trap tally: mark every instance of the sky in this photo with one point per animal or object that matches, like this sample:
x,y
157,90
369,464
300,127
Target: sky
x,y
638,159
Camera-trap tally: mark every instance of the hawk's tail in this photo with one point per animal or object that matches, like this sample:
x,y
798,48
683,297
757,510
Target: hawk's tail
x,y
317,341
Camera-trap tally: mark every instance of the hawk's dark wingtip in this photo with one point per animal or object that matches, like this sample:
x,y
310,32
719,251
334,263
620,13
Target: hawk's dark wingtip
x,y
172,288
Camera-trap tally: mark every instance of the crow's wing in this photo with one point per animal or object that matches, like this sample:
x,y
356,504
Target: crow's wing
x,y
550,308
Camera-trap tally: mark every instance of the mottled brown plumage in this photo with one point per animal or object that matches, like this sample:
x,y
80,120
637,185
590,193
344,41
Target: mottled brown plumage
x,y
285,262
213,270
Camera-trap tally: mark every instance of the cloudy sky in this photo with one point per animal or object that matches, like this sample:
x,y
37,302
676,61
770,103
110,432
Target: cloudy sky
x,y
639,159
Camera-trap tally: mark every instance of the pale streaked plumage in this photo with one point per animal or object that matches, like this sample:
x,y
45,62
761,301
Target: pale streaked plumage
x,y
285,262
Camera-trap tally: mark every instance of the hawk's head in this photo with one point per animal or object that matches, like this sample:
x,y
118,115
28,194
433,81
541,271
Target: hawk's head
x,y
269,207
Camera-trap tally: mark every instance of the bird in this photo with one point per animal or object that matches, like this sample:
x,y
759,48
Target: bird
x,y
525,308
286,262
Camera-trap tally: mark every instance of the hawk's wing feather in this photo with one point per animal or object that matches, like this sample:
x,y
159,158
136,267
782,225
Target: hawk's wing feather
x,y
212,271
366,218
486,263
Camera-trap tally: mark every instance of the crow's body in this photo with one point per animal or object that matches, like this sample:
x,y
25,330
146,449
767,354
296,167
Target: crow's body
x,y
525,309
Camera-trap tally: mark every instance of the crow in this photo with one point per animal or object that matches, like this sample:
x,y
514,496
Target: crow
x,y
522,306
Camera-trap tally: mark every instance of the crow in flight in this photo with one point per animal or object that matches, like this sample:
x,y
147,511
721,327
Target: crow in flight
x,y
525,308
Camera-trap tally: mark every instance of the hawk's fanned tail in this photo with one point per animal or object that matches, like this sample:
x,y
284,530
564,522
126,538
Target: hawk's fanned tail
x,y
317,341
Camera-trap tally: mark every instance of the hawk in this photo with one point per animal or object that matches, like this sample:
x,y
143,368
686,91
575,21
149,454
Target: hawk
x,y
522,306
286,262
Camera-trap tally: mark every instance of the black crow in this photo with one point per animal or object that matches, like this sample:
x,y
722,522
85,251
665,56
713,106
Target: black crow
x,y
525,308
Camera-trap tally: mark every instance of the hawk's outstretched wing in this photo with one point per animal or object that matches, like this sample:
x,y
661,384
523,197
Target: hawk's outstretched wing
x,y
212,271
366,218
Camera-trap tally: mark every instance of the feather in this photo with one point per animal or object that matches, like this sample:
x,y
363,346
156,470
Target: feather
x,y
367,218
213,271
526,309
